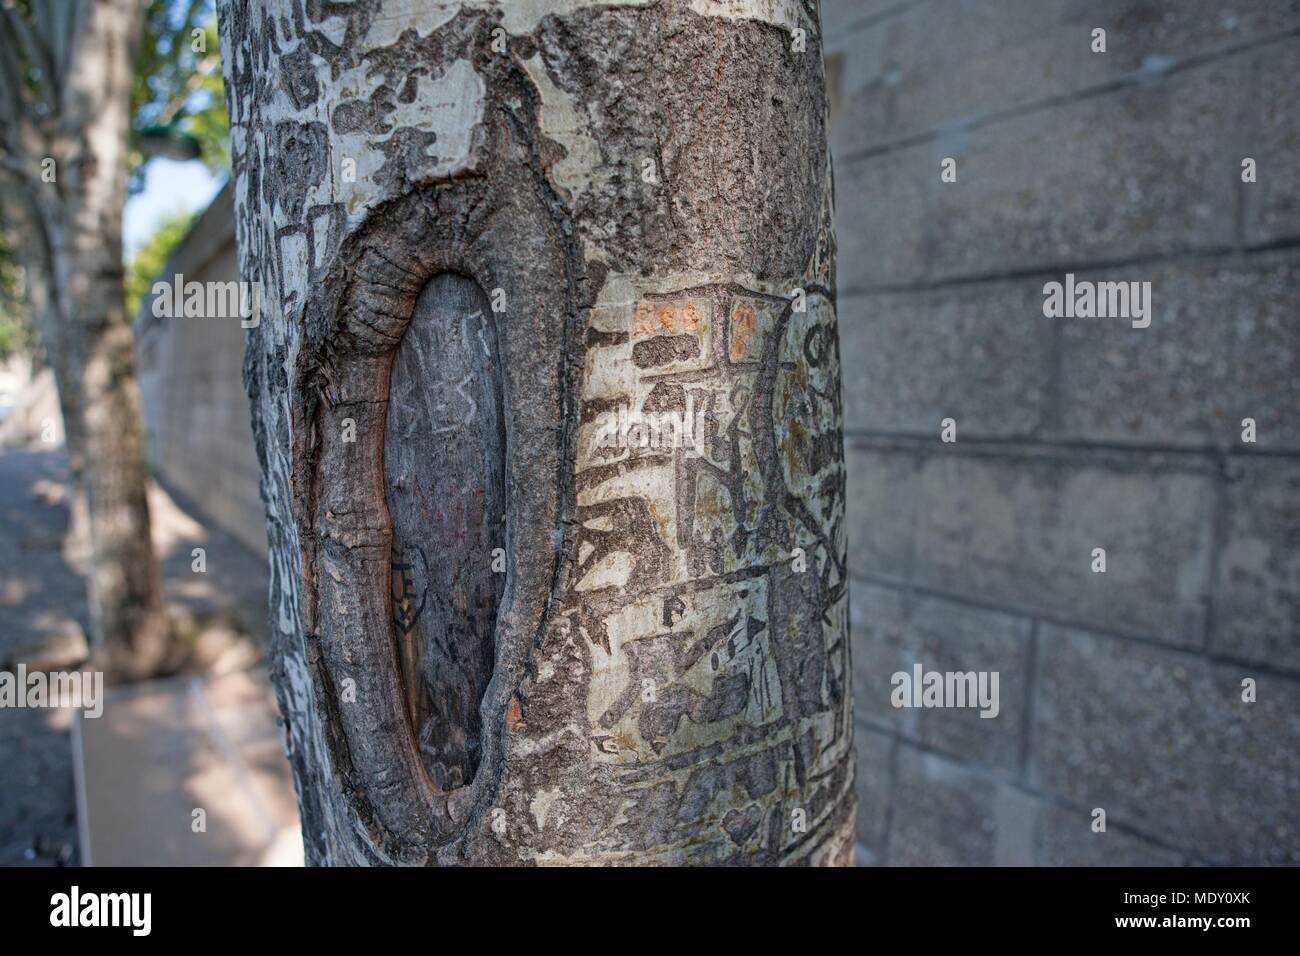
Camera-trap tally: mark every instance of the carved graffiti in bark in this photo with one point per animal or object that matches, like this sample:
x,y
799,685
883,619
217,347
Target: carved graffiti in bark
x,y
444,463
661,672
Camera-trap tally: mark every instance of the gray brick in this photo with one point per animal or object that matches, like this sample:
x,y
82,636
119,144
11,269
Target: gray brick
x,y
1254,781
1148,170
947,814
1106,713
893,632
1162,741
1064,837
874,784
1223,345
1020,532
980,354
955,637
1272,203
1257,586
939,66
882,644
881,511
944,815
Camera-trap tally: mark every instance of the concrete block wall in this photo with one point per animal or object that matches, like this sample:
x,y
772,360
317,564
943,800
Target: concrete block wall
x,y
1122,690
196,411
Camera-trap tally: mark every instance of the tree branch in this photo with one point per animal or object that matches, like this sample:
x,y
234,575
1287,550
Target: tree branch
x,y
201,72
52,20
30,48
14,106
11,90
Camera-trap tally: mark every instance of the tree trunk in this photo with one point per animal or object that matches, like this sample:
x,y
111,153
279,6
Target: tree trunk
x,y
73,109
510,628
41,299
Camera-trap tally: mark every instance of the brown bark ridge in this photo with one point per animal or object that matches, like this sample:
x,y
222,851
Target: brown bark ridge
x,y
65,97
510,629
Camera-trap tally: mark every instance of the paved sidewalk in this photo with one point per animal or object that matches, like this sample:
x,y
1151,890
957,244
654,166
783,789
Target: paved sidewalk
x,y
42,614
43,622
187,772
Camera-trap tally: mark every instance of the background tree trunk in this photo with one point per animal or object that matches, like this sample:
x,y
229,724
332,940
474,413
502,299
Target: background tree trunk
x,y
42,303
66,98
505,631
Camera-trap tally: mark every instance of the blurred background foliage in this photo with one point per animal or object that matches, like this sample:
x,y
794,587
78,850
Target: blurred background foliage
x,y
148,261
15,331
177,106
178,111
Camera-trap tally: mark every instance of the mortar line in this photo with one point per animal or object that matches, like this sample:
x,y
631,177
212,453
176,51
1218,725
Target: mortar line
x,y
989,446
1057,620
1208,253
874,19
1132,80
993,776
1031,698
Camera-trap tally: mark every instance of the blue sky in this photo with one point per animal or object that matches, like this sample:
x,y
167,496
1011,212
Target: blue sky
x,y
169,186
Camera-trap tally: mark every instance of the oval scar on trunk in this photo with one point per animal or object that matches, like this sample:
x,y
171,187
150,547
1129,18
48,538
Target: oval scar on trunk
x,y
444,478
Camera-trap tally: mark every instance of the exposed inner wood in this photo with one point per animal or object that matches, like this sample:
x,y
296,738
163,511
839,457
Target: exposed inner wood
x,y
444,469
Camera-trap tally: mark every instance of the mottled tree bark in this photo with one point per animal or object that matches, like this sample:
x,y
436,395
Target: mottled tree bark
x,y
64,117
503,634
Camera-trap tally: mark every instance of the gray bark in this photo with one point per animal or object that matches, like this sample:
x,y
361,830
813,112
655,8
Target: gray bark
x,y
65,96
559,209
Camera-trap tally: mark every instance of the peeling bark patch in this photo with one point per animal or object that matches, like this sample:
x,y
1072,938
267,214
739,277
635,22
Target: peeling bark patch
x,y
407,149
742,824
365,116
298,77
444,467
300,151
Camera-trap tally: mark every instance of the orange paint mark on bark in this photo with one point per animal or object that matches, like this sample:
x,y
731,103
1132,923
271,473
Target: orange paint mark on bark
x,y
668,318
743,322
515,715
643,319
691,321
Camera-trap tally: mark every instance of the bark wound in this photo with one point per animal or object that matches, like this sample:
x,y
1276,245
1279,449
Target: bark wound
x,y
444,469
